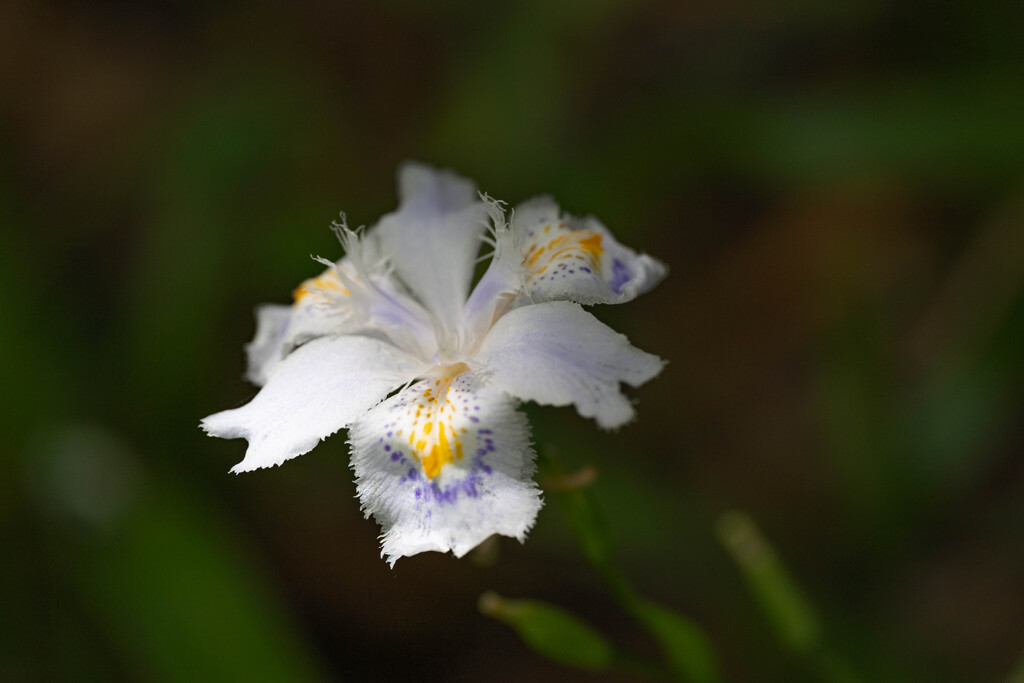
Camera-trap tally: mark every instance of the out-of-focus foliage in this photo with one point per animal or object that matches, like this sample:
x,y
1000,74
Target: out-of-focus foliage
x,y
551,631
684,649
786,609
838,189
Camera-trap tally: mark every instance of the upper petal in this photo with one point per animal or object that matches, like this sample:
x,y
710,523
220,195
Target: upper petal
x,y
577,259
433,238
443,465
556,353
316,390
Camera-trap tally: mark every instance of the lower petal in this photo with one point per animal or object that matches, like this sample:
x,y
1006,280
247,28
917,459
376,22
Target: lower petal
x,y
443,465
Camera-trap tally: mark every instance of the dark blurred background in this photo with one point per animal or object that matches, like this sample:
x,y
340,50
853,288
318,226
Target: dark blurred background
x,y
838,189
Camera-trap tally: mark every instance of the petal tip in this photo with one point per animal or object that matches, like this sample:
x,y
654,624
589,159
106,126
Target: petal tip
x,y
447,187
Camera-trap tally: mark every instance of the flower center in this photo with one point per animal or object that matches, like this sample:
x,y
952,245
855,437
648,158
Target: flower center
x,y
433,438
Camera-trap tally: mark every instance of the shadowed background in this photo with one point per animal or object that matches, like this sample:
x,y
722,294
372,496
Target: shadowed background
x,y
839,193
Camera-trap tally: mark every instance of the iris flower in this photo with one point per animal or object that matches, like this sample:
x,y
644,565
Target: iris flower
x,y
426,371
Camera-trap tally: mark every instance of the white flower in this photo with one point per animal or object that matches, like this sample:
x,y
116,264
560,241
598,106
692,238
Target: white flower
x,y
390,343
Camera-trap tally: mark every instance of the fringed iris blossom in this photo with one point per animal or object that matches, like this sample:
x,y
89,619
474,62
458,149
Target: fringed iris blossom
x,y
426,371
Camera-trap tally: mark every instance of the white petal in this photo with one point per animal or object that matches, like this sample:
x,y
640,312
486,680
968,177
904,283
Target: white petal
x,y
556,353
321,308
433,238
576,259
449,485
266,349
319,388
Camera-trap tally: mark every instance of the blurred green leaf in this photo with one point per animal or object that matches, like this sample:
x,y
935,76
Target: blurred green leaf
x,y
551,631
153,564
686,649
786,609
685,646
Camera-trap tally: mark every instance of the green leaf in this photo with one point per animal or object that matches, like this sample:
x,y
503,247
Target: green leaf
x,y
684,645
551,631
786,609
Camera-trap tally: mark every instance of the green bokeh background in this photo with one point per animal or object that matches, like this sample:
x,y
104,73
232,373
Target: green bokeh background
x,y
838,189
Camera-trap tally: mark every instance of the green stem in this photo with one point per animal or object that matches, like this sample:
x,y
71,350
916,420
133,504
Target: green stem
x,y
687,653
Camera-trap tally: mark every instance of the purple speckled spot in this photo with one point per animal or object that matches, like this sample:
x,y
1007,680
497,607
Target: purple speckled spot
x,y
395,456
585,269
620,276
485,431
473,418
387,447
481,451
447,495
389,434
419,493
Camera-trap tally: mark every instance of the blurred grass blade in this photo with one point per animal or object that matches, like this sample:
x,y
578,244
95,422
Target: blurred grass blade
x,y
551,631
786,609
686,648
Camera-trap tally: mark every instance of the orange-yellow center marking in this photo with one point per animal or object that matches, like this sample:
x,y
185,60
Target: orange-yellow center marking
x,y
436,442
326,282
584,245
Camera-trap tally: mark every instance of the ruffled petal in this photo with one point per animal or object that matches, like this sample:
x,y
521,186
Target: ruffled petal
x,y
433,239
556,353
322,307
443,465
319,388
577,259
